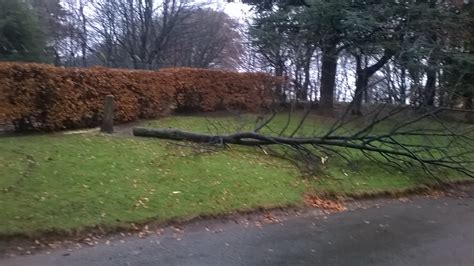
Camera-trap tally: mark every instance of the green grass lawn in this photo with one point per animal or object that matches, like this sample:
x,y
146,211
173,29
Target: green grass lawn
x,y
59,182
63,182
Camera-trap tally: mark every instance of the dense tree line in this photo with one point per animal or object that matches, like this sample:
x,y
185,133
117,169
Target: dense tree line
x,y
139,34
398,52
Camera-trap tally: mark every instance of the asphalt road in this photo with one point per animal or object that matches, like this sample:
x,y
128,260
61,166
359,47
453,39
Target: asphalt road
x,y
423,231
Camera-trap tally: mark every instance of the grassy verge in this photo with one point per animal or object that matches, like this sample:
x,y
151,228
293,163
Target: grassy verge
x,y
66,183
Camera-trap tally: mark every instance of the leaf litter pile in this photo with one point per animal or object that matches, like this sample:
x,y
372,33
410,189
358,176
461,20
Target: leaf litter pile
x,y
325,204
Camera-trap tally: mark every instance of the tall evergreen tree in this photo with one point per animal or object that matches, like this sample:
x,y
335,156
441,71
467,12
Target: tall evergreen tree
x,y
21,38
52,18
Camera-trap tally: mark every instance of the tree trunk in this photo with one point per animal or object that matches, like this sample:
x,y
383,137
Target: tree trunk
x,y
361,86
431,73
84,33
403,87
328,78
430,87
279,70
307,73
362,80
468,106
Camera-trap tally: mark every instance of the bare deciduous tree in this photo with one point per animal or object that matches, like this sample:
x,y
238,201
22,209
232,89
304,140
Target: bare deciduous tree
x,y
205,39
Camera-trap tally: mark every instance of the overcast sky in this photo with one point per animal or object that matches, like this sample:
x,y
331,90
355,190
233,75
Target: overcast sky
x,y
235,9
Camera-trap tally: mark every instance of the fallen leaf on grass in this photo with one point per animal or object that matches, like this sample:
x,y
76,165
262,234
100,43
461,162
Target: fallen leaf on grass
x,y
142,202
324,159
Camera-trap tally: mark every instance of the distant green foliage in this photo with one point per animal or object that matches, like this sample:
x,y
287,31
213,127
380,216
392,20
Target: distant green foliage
x,y
21,37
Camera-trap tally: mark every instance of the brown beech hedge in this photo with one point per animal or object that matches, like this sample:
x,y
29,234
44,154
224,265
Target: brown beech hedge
x,y
44,97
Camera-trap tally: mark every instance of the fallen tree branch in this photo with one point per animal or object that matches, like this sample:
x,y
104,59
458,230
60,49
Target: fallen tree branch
x,y
390,136
362,143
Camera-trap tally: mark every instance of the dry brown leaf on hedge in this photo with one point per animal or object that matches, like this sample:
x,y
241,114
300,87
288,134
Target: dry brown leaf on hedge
x,y
60,98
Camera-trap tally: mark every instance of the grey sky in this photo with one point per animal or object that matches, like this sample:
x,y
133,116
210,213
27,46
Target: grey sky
x,y
235,9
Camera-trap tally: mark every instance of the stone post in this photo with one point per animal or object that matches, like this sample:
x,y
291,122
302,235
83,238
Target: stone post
x,y
108,115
